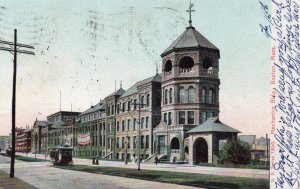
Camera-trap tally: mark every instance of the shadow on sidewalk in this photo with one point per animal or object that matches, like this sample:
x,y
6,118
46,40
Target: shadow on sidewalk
x,y
13,183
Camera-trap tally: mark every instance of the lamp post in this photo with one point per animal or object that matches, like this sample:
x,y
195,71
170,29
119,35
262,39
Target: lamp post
x,y
126,149
140,105
35,144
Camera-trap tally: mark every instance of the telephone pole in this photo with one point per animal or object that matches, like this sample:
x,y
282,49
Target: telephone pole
x,y
12,48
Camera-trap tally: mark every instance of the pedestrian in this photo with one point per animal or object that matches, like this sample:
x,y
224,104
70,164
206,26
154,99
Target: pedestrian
x,y
156,160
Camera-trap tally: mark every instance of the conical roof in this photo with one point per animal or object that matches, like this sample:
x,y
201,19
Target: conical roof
x,y
190,38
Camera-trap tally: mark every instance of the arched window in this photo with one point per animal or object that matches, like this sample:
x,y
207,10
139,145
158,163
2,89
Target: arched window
x,y
134,104
203,94
170,96
181,95
142,101
128,105
210,96
186,62
168,66
207,63
148,100
166,96
175,144
191,94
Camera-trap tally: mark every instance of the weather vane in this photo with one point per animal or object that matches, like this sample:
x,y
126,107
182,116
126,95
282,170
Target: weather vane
x,y
190,12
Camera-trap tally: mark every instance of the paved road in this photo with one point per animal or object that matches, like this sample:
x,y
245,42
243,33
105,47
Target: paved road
x,y
233,172
42,175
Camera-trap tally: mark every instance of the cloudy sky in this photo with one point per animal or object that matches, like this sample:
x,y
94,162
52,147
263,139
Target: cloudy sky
x,y
82,47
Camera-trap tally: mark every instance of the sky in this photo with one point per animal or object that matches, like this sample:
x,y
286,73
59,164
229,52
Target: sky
x,y
83,47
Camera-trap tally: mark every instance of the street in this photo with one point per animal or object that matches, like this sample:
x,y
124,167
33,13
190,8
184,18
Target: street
x,y
43,175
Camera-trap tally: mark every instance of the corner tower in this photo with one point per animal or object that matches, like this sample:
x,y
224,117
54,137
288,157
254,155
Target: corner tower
x,y
190,79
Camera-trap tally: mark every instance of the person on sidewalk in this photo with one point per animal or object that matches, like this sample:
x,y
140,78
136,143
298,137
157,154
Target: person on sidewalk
x,y
156,160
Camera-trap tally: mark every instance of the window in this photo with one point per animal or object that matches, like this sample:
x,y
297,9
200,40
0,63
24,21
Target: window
x,y
118,108
128,106
112,109
134,104
203,95
142,141
147,122
166,96
170,96
148,100
128,142
186,62
117,142
123,125
168,66
128,124
191,94
203,117
118,126
181,117
142,101
210,96
108,110
165,118
181,95
207,63
123,141
134,124
134,142
170,118
147,141
191,117
123,107
142,123
108,143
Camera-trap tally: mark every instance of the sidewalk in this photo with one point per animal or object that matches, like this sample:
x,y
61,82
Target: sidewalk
x,y
12,183
220,171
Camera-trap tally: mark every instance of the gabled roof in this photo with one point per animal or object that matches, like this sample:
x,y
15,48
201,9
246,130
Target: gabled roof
x,y
119,92
190,38
40,123
213,125
97,107
134,89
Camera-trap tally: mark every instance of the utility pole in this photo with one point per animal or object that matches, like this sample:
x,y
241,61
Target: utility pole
x,y
13,49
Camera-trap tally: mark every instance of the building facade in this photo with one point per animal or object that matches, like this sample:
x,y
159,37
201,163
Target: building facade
x,y
60,128
172,115
138,107
39,136
90,133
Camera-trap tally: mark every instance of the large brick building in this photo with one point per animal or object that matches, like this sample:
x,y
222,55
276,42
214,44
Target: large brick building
x,y
175,113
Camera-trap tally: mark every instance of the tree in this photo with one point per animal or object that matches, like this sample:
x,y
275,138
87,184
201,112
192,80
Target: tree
x,y
235,152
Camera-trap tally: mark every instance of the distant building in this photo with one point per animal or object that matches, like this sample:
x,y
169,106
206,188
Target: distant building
x,y
90,132
39,136
60,128
4,143
23,140
258,146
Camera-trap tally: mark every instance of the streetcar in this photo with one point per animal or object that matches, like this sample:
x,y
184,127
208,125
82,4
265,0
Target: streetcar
x,y
61,155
